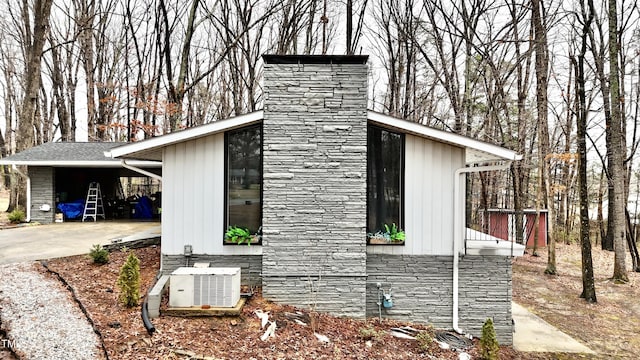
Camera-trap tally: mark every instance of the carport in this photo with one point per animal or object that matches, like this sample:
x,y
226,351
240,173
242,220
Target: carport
x,y
61,173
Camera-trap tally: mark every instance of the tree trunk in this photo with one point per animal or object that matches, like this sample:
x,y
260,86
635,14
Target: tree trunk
x,y
542,70
616,154
32,80
516,171
588,284
59,95
631,242
601,225
177,90
32,83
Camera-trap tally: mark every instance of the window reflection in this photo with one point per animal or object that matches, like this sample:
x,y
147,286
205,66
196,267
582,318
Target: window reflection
x,y
385,179
244,178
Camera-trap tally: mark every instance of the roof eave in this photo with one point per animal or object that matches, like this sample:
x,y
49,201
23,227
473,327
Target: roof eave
x,y
136,150
482,151
107,163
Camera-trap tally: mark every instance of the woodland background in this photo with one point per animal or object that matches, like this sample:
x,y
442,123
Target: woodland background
x,y
557,81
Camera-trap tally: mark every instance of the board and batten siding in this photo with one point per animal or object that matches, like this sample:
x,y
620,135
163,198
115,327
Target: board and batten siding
x,y
194,215
428,198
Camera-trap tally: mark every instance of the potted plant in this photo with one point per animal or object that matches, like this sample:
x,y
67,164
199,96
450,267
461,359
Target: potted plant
x,y
238,235
391,235
378,237
396,235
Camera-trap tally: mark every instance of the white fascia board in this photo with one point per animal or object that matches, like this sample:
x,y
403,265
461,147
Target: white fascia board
x,y
185,135
493,152
70,163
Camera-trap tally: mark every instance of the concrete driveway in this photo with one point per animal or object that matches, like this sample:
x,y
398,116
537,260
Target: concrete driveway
x,y
66,239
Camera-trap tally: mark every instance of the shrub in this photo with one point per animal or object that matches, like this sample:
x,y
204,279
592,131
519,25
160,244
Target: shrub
x,y
425,340
369,333
17,216
489,346
99,254
129,281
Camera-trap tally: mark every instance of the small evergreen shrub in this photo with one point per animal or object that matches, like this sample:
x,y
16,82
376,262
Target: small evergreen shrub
x,y
99,254
370,333
17,216
489,347
129,281
425,340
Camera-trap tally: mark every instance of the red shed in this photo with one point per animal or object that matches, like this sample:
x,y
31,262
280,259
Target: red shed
x,y
501,223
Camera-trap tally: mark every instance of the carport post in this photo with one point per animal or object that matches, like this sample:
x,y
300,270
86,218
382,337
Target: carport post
x,y
28,209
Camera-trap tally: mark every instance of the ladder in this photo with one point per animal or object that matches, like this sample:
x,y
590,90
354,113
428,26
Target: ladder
x,y
93,205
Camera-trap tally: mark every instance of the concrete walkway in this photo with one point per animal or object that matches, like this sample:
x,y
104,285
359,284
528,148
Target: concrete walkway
x,y
532,334
37,242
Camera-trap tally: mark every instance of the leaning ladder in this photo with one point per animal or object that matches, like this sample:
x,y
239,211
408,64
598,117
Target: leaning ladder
x,y
93,206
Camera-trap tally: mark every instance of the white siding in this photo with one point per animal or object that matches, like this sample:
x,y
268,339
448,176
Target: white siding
x,y
428,197
193,201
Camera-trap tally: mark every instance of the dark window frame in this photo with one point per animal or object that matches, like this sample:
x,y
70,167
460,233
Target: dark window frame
x,y
226,182
401,181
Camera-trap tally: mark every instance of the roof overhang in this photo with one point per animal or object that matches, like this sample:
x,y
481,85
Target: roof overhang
x,y
475,151
151,149
107,163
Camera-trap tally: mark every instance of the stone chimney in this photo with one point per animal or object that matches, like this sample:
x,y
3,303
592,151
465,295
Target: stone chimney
x,y
314,185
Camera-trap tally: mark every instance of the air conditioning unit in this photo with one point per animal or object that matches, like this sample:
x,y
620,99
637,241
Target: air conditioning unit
x,y
216,287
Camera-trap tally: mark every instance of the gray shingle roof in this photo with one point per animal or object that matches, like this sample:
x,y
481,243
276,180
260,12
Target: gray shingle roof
x,y
61,152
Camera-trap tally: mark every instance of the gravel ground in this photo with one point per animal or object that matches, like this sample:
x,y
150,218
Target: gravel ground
x,y
41,319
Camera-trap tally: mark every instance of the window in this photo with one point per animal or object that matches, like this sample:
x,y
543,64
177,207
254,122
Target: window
x,y
243,156
385,181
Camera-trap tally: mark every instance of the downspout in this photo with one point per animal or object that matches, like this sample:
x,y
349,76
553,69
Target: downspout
x,y
28,209
141,171
458,224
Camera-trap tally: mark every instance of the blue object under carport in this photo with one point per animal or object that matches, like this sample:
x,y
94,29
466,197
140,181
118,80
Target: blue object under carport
x,y
72,210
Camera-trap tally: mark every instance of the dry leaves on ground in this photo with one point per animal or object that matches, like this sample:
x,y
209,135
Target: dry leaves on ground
x,y
226,338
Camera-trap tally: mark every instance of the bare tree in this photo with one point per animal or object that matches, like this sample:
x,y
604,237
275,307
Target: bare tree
x,y
616,152
11,99
33,42
538,19
588,284
353,38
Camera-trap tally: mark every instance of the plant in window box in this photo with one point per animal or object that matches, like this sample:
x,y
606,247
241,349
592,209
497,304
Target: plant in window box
x,y
396,235
238,235
391,235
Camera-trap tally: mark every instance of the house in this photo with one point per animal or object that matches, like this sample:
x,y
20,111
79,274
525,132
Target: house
x,y
314,173
61,172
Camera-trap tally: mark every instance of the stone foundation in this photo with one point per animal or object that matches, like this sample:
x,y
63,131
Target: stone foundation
x,y
422,291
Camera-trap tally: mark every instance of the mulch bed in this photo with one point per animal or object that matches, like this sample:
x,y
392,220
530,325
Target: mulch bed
x,y
125,337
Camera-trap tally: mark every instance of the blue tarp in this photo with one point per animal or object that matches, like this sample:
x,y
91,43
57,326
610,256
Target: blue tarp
x,y
72,210
143,209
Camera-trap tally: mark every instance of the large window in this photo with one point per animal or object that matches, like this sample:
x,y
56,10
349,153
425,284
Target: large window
x,y
244,178
385,181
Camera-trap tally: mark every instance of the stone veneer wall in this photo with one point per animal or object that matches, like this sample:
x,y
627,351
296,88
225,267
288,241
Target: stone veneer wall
x,y
314,182
42,192
421,287
250,265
